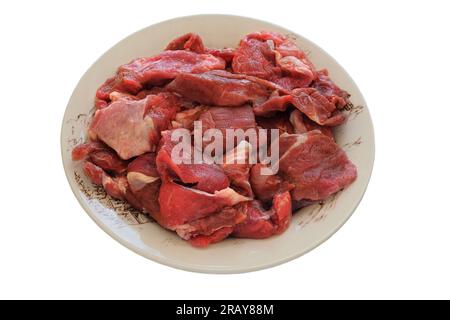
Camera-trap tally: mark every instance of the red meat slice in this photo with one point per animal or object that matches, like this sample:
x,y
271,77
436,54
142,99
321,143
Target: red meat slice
x,y
203,241
302,124
206,177
226,54
100,155
278,121
132,127
116,187
273,104
265,186
228,118
262,223
273,57
255,58
237,168
185,119
315,164
329,89
133,76
218,88
227,217
316,106
180,204
189,41
144,183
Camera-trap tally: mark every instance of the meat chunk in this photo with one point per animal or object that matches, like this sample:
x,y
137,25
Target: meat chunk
x,y
315,165
261,223
237,168
330,90
189,41
302,124
132,77
215,88
144,183
266,186
131,127
273,57
180,204
227,217
203,176
100,155
316,106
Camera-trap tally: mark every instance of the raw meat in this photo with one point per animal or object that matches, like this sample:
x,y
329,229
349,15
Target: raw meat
x,y
213,88
267,82
133,127
133,76
315,165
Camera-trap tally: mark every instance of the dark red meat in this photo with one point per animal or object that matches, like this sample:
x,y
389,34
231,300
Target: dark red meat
x,y
315,165
213,88
133,76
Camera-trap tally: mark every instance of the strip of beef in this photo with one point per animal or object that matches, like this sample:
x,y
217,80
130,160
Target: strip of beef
x,y
273,57
329,89
309,101
315,164
317,107
185,119
100,155
278,121
189,41
132,127
219,89
114,186
144,183
204,177
180,204
261,223
227,217
132,77
302,124
266,186
236,166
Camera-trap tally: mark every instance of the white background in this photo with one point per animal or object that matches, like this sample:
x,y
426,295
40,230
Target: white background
x,y
396,245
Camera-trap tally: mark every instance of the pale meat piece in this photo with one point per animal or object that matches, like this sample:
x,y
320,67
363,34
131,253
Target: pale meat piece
x,y
133,127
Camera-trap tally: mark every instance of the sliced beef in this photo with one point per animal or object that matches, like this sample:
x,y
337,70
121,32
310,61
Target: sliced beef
x,y
261,223
215,88
132,127
316,106
144,183
185,119
180,204
189,41
266,186
237,168
203,176
132,77
330,90
100,155
315,165
273,57
302,124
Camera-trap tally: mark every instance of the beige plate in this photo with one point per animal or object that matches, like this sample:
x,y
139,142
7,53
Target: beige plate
x,y
310,226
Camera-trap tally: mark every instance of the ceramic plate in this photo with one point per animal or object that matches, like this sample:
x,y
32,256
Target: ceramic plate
x,y
309,227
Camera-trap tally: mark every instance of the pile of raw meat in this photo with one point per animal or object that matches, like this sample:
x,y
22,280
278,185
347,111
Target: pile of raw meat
x,y
266,82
